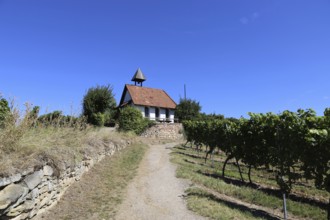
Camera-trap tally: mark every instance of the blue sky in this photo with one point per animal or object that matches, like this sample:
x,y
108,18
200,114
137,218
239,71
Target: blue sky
x,y
235,56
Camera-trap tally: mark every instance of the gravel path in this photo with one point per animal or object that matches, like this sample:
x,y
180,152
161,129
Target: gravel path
x,y
156,193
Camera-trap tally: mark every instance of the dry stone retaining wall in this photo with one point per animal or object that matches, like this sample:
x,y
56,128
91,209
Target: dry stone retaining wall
x,y
26,194
172,131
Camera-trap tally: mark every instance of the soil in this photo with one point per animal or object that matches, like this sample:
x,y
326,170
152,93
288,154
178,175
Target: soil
x,y
156,193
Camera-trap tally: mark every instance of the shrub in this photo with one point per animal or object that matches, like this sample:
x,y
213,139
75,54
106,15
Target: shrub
x,y
52,118
98,119
131,119
57,119
110,119
99,99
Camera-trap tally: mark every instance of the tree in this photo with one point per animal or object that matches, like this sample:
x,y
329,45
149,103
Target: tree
x,y
4,111
99,104
187,109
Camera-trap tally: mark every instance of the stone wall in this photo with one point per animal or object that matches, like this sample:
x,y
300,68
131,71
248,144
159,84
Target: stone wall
x,y
26,194
172,131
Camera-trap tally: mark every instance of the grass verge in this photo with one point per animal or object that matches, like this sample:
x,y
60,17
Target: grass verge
x,y
207,205
102,189
192,167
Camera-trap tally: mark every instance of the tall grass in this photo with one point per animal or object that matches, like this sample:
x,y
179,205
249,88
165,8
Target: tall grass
x,y
26,140
23,128
15,125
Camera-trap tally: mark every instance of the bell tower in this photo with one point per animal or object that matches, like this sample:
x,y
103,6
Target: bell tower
x,y
139,77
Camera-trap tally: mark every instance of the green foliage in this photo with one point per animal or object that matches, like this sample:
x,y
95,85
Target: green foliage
x,y
213,116
131,119
316,152
33,116
187,109
191,166
98,119
110,118
288,142
34,112
57,119
99,100
4,111
48,119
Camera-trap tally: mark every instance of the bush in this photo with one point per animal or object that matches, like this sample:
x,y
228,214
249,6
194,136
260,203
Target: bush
x,y
98,119
52,118
131,119
110,119
99,100
57,119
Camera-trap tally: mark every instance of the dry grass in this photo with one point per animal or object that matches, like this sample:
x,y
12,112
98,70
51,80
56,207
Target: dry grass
x,y
57,146
25,144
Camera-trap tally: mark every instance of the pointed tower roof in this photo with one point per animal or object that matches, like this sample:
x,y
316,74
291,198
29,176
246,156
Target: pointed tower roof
x,y
138,76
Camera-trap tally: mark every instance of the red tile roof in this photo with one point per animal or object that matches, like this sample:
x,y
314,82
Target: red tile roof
x,y
148,97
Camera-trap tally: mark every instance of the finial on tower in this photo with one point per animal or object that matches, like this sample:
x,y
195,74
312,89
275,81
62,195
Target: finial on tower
x,y
138,77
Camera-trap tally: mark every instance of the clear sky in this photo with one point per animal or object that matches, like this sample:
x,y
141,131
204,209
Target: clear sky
x,y
235,56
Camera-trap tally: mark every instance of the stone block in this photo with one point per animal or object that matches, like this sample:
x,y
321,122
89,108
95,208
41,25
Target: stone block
x,y
22,198
4,182
25,207
50,186
21,216
12,179
15,178
43,189
28,171
33,213
34,179
10,195
16,211
46,201
48,170
35,193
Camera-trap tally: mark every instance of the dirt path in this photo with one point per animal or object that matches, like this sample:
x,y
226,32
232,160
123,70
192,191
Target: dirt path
x,y
156,193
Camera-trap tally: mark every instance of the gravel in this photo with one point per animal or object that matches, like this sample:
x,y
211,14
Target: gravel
x,y
156,193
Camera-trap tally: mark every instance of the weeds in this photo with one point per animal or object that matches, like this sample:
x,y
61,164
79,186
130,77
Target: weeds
x,y
13,128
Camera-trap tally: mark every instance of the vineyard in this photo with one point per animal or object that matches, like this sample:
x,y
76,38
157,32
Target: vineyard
x,y
291,148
